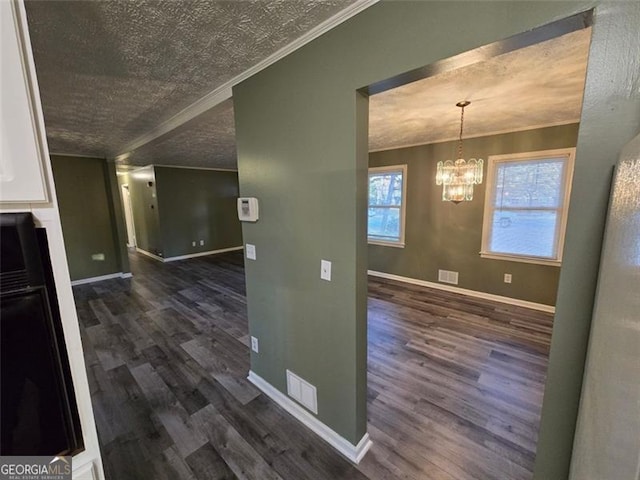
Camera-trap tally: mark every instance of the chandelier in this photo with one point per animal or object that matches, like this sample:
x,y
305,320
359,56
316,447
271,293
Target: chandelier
x,y
458,178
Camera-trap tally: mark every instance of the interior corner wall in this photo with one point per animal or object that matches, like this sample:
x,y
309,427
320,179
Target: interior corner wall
x,y
197,205
88,224
610,119
298,129
144,204
115,209
442,235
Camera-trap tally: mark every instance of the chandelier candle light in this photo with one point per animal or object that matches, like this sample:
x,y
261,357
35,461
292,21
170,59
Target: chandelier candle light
x,y
458,178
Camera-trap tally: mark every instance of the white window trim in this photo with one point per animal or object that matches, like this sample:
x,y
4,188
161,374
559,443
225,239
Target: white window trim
x,y
569,153
403,207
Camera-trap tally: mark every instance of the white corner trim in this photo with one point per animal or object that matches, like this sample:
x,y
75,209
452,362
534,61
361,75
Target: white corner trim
x,y
110,276
149,254
224,92
354,453
235,170
84,472
201,254
463,291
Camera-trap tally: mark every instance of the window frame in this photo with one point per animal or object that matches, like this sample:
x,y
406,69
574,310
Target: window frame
x,y
490,192
403,206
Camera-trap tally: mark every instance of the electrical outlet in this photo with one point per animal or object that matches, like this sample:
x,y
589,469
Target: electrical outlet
x,y
201,242
507,278
254,344
325,270
250,250
193,244
99,257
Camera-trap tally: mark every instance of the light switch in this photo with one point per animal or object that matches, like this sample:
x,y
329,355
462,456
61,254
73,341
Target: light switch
x,y
251,251
325,270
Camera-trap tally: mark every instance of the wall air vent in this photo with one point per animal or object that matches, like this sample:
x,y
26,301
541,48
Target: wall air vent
x,y
302,391
447,276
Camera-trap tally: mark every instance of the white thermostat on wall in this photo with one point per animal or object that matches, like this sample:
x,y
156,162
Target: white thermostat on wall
x,y
248,209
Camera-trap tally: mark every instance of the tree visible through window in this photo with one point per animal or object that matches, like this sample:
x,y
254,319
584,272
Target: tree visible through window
x,y
526,204
386,204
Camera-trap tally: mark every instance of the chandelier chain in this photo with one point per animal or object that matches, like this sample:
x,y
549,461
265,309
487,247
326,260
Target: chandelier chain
x,y
461,125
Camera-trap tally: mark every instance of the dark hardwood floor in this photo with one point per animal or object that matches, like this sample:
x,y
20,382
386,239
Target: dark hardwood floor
x,y
455,384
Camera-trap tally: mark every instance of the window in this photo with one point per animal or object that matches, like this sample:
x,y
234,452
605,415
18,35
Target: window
x,y
387,192
526,204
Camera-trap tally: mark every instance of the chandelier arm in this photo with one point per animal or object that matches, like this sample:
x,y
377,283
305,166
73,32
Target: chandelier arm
x,y
459,176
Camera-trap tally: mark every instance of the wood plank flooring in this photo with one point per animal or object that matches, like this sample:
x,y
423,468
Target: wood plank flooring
x,y
454,384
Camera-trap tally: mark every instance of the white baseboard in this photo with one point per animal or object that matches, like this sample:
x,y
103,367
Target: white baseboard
x,y
202,254
149,254
463,291
189,255
354,453
100,278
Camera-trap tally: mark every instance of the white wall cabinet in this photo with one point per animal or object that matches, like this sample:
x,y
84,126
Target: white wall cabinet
x,y
22,178
26,185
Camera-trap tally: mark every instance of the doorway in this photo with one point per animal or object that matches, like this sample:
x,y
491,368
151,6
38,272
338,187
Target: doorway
x,y
458,351
128,217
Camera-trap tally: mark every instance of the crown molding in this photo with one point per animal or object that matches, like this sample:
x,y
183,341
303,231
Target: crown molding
x,y
224,92
487,134
214,169
76,155
153,165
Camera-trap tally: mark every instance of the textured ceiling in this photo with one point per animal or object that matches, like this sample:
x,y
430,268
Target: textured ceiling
x,y
536,86
110,71
206,141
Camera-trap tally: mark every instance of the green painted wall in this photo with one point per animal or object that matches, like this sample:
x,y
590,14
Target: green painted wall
x,y
442,235
197,205
181,206
88,224
119,229
301,130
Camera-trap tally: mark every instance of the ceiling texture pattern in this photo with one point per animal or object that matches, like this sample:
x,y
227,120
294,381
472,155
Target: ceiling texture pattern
x,y
209,140
537,86
110,71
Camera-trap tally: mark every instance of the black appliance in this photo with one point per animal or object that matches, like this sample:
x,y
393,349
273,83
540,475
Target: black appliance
x,y
39,414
